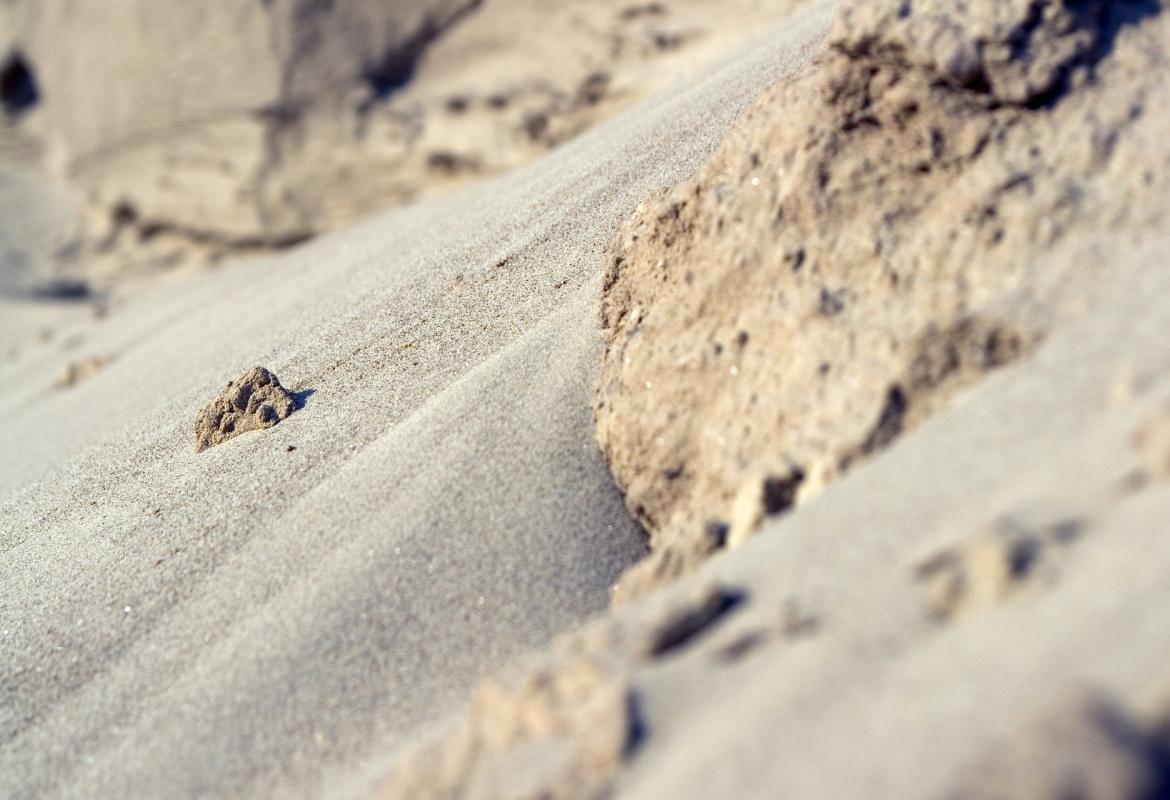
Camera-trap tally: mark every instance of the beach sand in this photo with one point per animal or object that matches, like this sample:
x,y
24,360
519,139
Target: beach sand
x,y
569,505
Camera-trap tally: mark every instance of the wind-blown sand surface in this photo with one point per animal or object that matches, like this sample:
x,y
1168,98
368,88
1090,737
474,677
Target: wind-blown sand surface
x,y
255,620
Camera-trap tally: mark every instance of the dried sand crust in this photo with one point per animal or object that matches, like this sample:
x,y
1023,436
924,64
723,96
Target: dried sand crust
x,y
560,732
862,248
251,402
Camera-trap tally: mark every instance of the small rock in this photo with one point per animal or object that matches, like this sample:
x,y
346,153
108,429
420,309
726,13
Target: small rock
x,y
253,401
991,567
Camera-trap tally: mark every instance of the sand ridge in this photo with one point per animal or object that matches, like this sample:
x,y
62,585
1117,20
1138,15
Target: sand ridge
x,y
818,649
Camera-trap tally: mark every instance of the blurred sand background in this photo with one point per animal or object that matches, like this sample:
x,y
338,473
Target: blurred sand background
x,y
695,399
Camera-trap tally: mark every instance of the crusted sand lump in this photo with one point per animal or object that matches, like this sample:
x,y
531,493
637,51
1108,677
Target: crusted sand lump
x,y
562,730
568,720
999,562
867,243
253,401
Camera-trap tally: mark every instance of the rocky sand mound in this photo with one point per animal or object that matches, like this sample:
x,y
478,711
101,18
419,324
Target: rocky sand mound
x,y
864,246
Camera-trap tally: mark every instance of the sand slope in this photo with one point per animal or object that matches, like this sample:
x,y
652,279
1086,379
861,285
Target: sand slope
x,y
256,620
909,325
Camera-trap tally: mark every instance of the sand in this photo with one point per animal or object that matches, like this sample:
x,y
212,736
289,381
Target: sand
x,y
915,706
937,569
250,620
